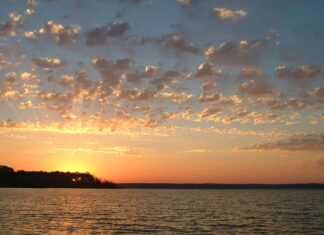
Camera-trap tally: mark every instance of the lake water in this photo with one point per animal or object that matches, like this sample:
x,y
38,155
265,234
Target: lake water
x,y
136,211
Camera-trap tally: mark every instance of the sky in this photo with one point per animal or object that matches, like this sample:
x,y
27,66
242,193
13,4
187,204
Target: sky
x,y
164,91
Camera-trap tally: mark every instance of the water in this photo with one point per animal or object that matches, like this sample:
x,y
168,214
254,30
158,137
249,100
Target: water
x,y
135,211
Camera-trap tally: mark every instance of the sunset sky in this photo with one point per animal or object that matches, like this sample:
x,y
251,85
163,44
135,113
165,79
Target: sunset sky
x,y
184,91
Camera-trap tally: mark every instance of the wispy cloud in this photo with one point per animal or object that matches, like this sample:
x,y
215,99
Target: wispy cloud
x,y
307,142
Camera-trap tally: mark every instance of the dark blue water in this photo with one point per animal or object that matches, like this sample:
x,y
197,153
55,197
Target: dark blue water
x,y
135,211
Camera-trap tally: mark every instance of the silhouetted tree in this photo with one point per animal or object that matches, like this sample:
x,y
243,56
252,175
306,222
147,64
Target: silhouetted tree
x,y
57,179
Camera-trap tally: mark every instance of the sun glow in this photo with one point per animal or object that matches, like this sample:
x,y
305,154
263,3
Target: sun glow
x,y
73,165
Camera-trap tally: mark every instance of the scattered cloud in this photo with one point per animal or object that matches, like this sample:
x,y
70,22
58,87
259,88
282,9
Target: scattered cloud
x,y
208,86
7,30
317,92
184,2
307,142
99,35
63,35
207,70
276,103
303,72
210,112
27,76
48,63
250,72
255,88
3,62
173,42
116,150
201,150
30,35
146,80
15,17
227,14
231,53
177,98
137,94
210,98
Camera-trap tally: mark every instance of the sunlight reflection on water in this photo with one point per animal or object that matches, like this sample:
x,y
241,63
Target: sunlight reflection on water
x,y
135,211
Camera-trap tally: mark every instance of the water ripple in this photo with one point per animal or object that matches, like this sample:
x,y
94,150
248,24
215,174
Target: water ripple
x,y
90,211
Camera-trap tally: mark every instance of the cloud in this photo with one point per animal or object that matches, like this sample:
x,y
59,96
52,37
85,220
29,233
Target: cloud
x,y
302,72
27,76
210,98
26,105
11,77
208,86
7,30
120,64
118,150
10,124
67,81
30,35
227,14
48,63
230,100
79,88
220,99
231,53
3,62
149,71
210,112
180,43
195,151
184,2
134,94
207,70
249,72
177,98
111,72
278,104
315,119
173,42
8,93
306,142
30,7
63,35
255,88
296,104
317,92
15,17
168,78
99,35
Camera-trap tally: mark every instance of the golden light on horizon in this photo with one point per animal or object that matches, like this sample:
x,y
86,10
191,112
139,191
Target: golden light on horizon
x,y
72,164
74,168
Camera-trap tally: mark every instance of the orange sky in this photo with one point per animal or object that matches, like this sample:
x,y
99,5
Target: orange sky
x,y
158,158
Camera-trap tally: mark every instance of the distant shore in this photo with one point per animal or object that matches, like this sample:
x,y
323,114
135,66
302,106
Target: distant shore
x,y
40,179
218,186
174,186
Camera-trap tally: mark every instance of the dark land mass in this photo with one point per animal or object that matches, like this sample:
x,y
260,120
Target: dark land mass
x,y
40,179
219,186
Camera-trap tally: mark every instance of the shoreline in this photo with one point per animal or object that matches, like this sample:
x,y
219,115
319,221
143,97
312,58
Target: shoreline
x,y
190,186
